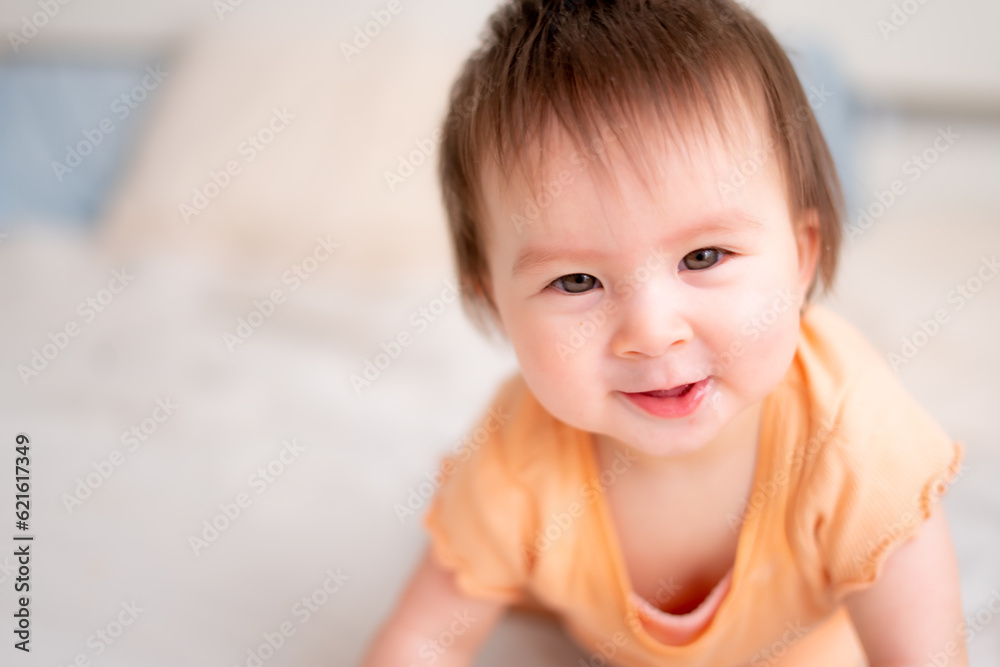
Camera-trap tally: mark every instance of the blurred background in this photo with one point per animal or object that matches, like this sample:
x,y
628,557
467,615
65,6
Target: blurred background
x,y
214,213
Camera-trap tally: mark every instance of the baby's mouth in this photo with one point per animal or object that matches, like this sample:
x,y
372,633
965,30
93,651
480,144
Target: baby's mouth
x,y
673,403
680,390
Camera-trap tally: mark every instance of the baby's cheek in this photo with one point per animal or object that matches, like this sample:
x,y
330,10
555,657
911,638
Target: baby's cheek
x,y
742,318
564,399
769,359
758,334
564,380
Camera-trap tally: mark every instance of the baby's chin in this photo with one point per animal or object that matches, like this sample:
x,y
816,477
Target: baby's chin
x,y
656,445
649,436
615,423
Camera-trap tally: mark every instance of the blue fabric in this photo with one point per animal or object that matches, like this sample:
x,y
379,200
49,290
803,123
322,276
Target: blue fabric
x,y
46,107
837,115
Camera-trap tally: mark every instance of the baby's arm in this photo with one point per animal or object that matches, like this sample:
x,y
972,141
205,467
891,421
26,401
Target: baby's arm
x,y
913,611
431,613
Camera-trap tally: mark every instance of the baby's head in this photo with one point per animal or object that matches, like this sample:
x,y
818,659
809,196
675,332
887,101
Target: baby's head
x,y
640,198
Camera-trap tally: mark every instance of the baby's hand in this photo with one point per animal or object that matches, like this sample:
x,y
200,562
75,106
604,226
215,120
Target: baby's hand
x,y
434,622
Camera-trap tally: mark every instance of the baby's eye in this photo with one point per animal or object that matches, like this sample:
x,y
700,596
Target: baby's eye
x,y
576,283
703,259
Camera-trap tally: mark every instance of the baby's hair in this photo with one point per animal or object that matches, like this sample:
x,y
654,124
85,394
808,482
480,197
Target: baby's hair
x,y
591,65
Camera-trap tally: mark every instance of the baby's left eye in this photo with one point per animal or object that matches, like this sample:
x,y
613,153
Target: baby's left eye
x,y
704,258
576,283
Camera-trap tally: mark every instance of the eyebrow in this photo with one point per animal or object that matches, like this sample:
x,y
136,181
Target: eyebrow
x,y
731,222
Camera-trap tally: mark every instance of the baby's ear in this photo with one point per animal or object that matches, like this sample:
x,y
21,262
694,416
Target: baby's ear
x,y
807,240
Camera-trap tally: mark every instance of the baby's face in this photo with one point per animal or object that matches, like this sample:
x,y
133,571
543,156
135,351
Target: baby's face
x,y
652,319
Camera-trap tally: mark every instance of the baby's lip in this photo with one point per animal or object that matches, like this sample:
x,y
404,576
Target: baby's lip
x,y
675,403
673,390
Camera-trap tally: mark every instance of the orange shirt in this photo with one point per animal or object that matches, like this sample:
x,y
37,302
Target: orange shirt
x,y
847,466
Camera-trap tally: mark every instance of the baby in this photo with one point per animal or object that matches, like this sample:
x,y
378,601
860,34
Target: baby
x,y
695,465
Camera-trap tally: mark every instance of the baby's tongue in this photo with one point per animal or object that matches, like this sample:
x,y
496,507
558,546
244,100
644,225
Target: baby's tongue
x,y
669,393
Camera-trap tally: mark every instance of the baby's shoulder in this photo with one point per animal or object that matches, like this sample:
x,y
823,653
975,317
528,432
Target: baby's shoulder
x,y
834,357
859,422
867,465
844,390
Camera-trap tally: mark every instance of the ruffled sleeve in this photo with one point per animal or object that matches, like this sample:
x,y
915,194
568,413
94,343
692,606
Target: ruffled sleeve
x,y
481,516
875,480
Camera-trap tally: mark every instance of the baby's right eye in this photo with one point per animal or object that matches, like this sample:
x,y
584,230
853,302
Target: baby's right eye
x,y
576,283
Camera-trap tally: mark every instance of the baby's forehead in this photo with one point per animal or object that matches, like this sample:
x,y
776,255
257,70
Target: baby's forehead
x,y
524,182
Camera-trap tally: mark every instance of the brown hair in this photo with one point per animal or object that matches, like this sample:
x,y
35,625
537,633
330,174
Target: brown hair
x,y
592,64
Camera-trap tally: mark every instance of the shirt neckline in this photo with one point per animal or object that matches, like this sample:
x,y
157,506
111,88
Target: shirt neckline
x,y
744,544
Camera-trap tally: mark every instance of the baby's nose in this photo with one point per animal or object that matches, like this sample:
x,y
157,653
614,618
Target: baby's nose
x,y
653,319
